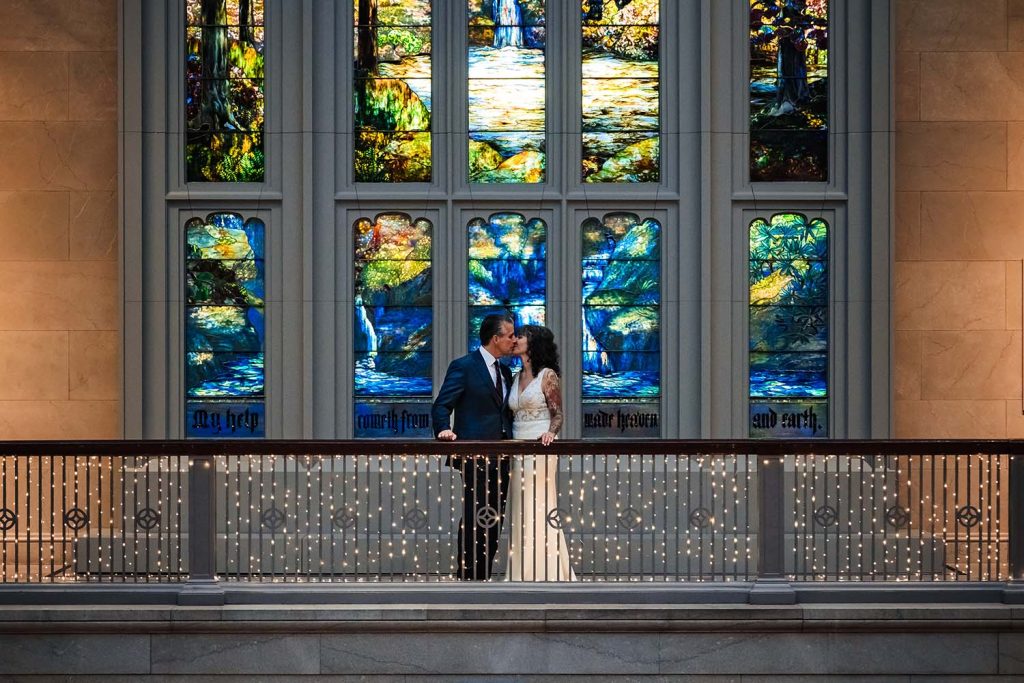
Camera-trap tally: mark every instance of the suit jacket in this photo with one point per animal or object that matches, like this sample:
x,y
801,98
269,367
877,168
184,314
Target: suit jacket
x,y
468,390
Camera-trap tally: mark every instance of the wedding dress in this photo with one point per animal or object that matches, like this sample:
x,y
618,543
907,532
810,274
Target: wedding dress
x,y
537,550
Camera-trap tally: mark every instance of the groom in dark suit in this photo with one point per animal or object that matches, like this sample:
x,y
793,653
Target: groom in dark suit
x,y
476,387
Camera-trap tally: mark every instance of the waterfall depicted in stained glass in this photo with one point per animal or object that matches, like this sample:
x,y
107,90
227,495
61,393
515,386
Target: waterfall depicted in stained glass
x,y
507,40
392,91
393,326
621,123
507,270
621,326
224,328
789,326
224,91
789,90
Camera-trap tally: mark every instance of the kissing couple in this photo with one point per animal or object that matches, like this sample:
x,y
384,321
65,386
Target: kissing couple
x,y
490,403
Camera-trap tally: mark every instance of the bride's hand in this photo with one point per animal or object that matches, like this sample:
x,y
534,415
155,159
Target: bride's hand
x,y
546,438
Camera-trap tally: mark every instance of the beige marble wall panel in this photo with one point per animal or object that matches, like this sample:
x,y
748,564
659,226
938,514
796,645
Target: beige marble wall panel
x,y
1014,285
1015,156
972,86
33,86
1015,25
94,360
950,419
907,365
945,156
33,226
58,25
908,94
71,420
93,225
1014,419
75,295
971,365
972,226
949,295
93,86
33,366
79,155
954,25
908,226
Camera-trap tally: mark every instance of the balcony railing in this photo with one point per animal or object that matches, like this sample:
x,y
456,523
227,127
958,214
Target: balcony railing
x,y
376,511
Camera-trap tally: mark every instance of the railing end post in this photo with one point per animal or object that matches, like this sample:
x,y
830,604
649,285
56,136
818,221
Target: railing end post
x,y
772,592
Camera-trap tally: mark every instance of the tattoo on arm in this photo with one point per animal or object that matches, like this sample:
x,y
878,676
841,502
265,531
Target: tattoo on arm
x,y
552,388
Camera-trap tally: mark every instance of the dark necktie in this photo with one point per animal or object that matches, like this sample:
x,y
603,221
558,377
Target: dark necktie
x,y
497,381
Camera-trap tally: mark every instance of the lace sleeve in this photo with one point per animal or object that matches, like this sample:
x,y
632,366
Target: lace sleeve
x,y
552,388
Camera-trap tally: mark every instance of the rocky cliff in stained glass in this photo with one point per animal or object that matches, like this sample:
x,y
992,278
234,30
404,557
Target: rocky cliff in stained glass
x,y
224,327
507,270
393,96
789,99
621,91
393,326
224,100
621,325
788,322
507,103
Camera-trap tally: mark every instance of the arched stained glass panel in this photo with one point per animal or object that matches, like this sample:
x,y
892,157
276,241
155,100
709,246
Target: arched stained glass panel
x,y
224,327
507,104
393,96
789,318
507,270
393,328
224,106
621,83
789,90
621,326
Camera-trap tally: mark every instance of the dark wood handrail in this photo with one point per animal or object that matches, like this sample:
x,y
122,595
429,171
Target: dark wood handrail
x,y
382,447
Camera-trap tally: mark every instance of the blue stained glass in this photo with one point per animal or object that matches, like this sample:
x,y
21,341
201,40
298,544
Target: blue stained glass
x,y
507,270
788,323
224,325
621,317
393,314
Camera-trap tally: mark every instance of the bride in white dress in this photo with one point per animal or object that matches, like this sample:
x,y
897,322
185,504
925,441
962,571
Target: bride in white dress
x,y
537,550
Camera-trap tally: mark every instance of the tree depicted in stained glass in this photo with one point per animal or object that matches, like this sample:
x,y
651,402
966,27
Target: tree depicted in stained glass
x,y
224,105
789,90
507,40
393,326
621,122
507,270
788,326
621,338
392,91
224,326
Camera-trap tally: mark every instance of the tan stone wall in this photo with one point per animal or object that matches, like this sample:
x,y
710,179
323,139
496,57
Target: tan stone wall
x,y
59,297
959,218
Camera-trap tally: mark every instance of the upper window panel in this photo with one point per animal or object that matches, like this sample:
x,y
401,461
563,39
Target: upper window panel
x,y
789,90
507,39
224,104
392,91
621,122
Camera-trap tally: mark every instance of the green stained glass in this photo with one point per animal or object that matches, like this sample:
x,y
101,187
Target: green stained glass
x,y
621,91
224,101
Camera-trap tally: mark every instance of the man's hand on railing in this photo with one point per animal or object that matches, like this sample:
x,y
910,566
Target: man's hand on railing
x,y
546,438
446,435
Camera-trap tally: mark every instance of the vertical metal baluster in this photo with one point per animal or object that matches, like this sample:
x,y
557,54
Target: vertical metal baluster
x,y
995,463
4,568
684,524
124,506
52,532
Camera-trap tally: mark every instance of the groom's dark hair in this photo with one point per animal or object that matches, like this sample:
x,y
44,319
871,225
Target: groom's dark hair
x,y
492,326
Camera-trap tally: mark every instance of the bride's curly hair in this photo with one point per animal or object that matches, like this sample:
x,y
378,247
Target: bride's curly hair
x,y
541,348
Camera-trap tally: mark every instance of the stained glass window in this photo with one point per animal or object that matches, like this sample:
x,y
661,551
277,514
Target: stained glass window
x,y
621,326
621,122
224,328
393,327
507,39
507,270
788,90
789,327
224,91
392,91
